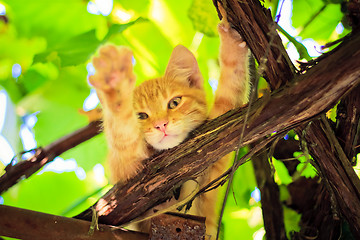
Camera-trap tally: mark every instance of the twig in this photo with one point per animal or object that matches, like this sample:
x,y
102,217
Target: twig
x,y
14,173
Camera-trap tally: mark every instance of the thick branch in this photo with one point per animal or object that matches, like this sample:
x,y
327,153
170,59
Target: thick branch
x,y
308,95
348,124
270,198
336,168
28,225
310,197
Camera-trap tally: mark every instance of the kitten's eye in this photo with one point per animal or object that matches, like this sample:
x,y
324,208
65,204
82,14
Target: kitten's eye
x,y
173,103
142,115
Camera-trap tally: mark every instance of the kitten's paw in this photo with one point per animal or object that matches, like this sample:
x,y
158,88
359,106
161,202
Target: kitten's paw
x,y
228,35
113,69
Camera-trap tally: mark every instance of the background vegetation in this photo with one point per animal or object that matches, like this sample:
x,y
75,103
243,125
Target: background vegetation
x,y
45,50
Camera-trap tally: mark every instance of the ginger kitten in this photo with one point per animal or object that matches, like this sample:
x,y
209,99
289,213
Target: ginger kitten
x,y
160,113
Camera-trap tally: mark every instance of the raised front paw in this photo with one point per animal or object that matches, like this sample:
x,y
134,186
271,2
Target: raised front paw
x,y
113,70
228,35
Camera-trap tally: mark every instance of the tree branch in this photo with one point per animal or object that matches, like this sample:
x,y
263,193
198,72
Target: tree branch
x,y
270,198
336,168
28,225
348,124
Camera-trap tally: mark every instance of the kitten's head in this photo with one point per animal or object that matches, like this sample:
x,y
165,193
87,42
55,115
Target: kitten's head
x,y
169,108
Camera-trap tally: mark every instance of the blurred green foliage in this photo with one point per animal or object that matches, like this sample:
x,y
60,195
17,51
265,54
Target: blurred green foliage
x,y
53,42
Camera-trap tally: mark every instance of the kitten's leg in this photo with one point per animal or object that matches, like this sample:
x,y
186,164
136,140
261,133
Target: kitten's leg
x,y
233,88
114,82
232,92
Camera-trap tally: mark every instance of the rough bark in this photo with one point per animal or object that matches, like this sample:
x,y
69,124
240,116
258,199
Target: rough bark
x,y
318,221
337,170
348,124
28,225
305,97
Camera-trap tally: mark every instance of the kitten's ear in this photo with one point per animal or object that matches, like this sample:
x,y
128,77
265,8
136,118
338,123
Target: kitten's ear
x,y
183,66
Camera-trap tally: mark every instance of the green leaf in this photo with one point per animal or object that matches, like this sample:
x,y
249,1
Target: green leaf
x,y
291,220
79,49
282,174
49,192
55,21
139,6
315,19
243,184
119,28
58,102
37,75
151,56
305,168
74,51
204,17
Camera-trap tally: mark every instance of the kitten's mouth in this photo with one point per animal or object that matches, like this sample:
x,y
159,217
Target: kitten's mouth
x,y
166,136
166,141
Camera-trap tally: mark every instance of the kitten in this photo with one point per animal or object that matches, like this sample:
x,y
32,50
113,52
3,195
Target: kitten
x,y
160,113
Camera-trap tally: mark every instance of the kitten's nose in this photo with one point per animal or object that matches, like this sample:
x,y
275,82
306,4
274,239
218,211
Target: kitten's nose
x,y
161,125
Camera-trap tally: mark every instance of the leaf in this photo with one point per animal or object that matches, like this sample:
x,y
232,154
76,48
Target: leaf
x,y
243,184
37,75
291,220
79,49
316,19
172,20
139,6
49,192
282,174
55,21
72,52
204,17
58,102
151,56
119,28
304,168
